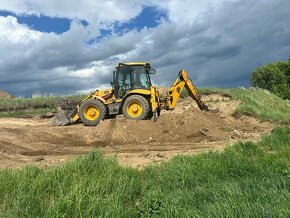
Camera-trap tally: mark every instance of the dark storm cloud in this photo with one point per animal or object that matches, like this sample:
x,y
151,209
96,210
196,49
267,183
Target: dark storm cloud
x,y
226,46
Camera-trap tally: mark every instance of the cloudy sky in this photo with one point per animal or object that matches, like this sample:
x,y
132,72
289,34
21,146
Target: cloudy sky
x,y
67,46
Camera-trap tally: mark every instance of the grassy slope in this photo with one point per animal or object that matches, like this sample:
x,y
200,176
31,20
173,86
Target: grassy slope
x,y
246,179
256,102
262,104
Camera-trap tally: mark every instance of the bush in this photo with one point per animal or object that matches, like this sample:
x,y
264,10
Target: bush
x,y
274,77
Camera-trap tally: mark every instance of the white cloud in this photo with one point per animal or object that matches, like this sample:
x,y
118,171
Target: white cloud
x,y
97,69
96,12
15,33
190,11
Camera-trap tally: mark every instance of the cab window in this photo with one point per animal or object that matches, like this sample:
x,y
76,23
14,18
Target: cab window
x,y
140,78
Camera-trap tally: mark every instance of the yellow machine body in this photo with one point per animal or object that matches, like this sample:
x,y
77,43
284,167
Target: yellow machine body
x,y
136,103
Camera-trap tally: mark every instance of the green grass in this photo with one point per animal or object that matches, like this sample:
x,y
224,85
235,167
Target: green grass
x,y
89,186
227,128
29,107
262,104
246,180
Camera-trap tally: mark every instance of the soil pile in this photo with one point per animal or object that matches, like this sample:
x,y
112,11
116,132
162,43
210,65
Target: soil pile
x,y
136,143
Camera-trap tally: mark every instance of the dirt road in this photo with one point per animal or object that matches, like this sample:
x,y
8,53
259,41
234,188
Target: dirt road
x,y
135,143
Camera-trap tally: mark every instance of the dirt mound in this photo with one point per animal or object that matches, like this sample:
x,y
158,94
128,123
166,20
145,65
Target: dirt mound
x,y
4,94
193,125
136,143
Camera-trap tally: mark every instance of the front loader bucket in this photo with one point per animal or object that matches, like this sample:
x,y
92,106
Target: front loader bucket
x,y
61,119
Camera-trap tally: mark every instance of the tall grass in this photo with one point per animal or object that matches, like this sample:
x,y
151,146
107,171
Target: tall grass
x,y
262,104
89,186
246,180
26,107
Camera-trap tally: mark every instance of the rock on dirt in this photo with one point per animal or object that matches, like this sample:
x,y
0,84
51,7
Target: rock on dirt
x,y
39,159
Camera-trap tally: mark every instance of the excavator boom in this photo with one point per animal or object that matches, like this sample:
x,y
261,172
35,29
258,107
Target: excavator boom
x,y
183,81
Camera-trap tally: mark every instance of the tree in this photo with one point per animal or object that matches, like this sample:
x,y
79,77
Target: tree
x,y
274,77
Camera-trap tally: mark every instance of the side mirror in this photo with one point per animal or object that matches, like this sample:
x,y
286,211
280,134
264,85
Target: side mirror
x,y
152,71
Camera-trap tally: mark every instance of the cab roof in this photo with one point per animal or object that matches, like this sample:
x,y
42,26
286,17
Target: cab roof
x,y
136,64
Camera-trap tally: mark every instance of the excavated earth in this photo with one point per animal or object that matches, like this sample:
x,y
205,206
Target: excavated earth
x,y
186,130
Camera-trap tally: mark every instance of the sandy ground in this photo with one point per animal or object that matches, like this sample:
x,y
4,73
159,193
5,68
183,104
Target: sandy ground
x,y
186,130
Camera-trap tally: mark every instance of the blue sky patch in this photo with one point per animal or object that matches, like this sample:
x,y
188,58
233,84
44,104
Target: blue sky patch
x,y
149,17
43,23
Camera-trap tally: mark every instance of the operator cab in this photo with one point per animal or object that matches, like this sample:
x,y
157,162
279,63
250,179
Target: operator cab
x,y
131,76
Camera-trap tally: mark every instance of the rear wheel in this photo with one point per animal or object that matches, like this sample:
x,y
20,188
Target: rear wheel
x,y
136,107
92,112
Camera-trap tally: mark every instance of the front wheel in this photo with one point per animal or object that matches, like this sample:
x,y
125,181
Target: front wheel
x,y
92,112
136,107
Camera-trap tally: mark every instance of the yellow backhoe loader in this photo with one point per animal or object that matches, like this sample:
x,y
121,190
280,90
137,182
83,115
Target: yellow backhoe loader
x,y
131,94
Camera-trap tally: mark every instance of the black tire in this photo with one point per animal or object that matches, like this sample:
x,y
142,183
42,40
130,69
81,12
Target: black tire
x,y
92,103
141,101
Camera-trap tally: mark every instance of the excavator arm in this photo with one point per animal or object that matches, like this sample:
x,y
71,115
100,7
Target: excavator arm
x,y
183,81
